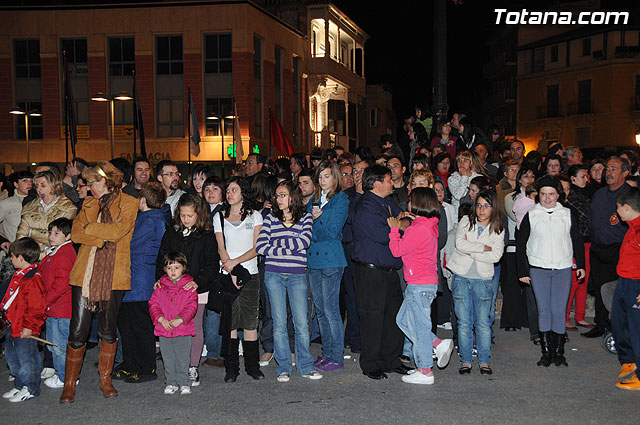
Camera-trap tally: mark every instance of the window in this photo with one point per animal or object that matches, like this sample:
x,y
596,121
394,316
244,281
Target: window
x,y
337,117
538,59
373,117
171,117
296,100
277,82
257,92
217,49
358,61
35,123
76,54
220,107
584,97
553,101
122,56
554,53
586,47
169,55
27,58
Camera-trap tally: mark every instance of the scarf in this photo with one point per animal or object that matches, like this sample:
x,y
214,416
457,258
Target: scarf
x,y
98,279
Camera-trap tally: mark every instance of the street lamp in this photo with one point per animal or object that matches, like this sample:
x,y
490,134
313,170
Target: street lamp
x,y
27,114
101,97
638,138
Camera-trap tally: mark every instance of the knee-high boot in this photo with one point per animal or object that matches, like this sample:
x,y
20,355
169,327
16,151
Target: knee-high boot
x,y
232,361
558,350
546,348
105,367
73,364
252,359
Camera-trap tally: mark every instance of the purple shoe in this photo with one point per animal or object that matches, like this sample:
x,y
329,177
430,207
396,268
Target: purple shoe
x,y
329,365
319,361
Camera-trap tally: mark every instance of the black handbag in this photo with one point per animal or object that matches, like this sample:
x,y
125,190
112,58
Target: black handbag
x,y
224,291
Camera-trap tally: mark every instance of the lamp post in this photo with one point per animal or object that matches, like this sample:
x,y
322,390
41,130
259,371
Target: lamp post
x,y
27,114
101,97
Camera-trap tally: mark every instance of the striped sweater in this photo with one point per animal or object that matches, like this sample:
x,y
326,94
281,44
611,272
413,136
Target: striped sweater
x,y
285,247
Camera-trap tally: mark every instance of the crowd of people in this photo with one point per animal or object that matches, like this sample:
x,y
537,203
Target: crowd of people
x,y
367,252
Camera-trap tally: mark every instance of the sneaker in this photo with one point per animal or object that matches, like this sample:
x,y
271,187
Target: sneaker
x,y
626,370
319,361
314,374
170,389
194,376
185,390
12,378
283,377
443,352
405,359
632,383
418,378
11,393
329,365
22,395
54,382
47,372
266,359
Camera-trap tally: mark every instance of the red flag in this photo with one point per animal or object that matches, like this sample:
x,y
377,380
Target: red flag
x,y
279,138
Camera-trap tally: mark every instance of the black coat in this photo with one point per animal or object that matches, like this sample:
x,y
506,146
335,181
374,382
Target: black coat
x,y
201,250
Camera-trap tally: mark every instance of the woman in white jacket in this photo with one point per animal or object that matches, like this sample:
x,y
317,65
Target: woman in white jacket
x,y
548,240
479,244
459,181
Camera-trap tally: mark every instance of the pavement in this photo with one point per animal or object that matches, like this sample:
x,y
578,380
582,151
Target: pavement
x,y
518,392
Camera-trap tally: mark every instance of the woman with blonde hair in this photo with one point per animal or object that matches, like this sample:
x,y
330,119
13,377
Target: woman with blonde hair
x,y
50,204
458,182
101,274
420,178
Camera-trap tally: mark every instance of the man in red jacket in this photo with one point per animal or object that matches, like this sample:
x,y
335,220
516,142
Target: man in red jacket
x,y
55,268
24,306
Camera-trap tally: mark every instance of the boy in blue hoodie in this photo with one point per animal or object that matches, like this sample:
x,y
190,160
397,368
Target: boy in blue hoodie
x,y
134,322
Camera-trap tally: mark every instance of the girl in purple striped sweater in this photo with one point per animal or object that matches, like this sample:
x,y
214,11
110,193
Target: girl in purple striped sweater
x,y
284,239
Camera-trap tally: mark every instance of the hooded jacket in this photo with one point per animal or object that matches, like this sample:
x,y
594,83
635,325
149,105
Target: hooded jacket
x,y
171,301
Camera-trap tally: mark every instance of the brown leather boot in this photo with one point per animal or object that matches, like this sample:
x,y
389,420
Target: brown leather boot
x,y
105,367
71,373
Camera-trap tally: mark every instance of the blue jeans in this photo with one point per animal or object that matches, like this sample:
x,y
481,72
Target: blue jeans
x,y
496,285
24,362
472,301
325,287
58,333
625,321
414,319
294,286
212,337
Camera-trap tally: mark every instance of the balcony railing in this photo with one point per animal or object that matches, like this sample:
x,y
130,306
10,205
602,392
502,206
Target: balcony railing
x,y
580,108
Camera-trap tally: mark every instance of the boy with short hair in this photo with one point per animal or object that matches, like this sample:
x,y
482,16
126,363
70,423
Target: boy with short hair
x,y
55,269
24,304
134,321
625,309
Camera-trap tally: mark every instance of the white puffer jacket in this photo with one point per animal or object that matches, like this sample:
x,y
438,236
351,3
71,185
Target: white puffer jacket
x,y
549,245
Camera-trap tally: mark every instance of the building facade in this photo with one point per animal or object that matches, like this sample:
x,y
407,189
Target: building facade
x,y
234,57
579,85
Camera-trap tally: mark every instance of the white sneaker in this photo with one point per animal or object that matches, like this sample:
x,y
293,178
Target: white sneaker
x,y
11,393
314,374
283,377
418,378
47,372
443,352
54,382
170,389
12,378
22,395
185,390
263,361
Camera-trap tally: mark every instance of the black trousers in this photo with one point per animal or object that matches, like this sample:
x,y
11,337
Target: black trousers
x,y
603,260
513,297
138,340
378,297
80,325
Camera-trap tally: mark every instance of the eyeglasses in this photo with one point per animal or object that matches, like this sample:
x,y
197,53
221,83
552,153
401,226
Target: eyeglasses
x,y
171,174
484,206
81,186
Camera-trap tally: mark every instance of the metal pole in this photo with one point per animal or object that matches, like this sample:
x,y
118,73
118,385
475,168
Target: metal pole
x,y
222,148
26,133
113,128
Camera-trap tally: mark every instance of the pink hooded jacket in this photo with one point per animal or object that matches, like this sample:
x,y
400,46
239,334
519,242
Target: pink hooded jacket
x,y
418,248
170,301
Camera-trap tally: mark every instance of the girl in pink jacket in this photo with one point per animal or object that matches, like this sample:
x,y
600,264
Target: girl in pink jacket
x,y
172,310
418,248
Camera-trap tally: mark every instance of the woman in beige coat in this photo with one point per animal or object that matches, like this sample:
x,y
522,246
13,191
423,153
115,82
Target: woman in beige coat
x,y
50,204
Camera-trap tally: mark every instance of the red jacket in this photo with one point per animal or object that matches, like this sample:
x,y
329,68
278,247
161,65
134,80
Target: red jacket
x,y
27,309
55,269
629,263
171,301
